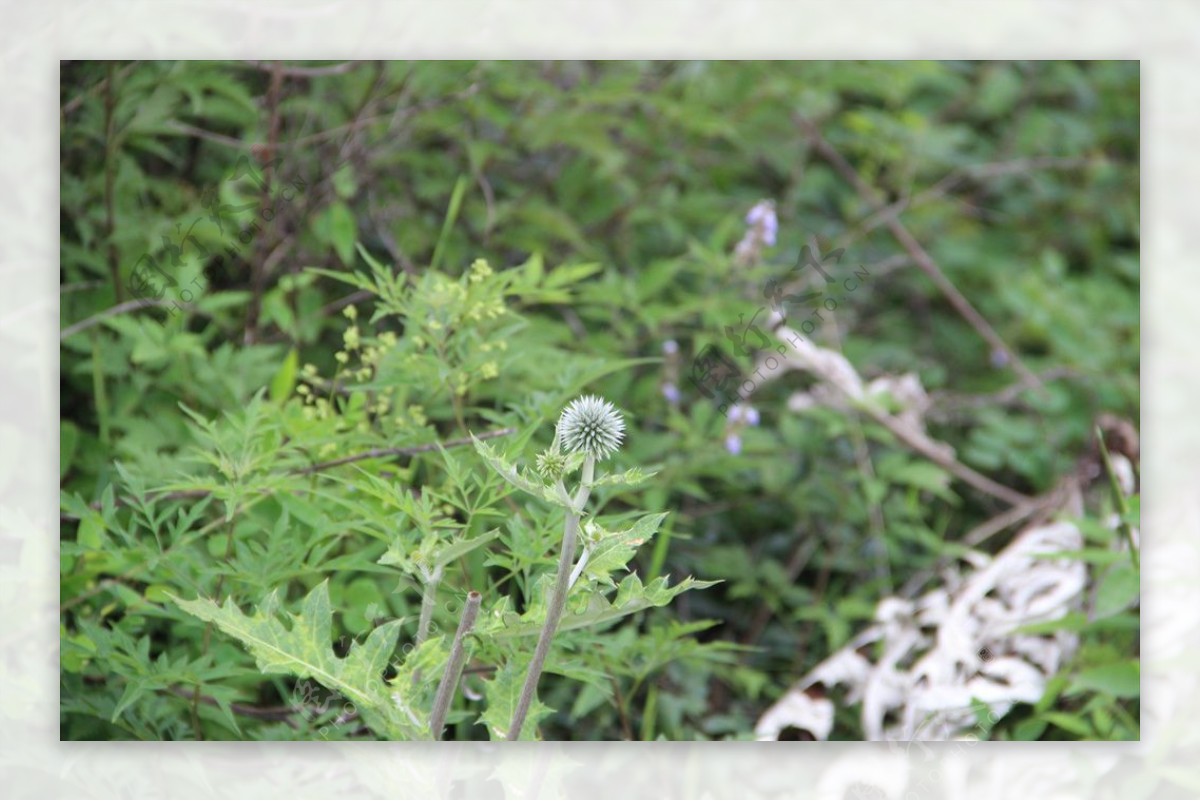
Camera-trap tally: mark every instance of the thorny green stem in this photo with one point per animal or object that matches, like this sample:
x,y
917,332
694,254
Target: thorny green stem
x,y
453,672
428,601
558,600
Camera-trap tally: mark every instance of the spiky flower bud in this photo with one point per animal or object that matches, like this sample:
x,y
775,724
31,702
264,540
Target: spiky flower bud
x,y
551,465
591,425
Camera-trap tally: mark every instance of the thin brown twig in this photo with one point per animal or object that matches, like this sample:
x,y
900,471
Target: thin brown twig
x,y
335,306
946,405
379,453
209,136
1010,517
908,201
110,180
80,286
938,453
925,446
301,71
805,548
1033,511
259,266
626,728
919,255
112,311
271,713
102,85
997,169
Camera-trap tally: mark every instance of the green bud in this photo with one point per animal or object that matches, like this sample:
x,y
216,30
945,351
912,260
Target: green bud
x,y
551,465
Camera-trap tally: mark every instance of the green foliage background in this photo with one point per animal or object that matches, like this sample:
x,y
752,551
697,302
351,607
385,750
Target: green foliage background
x,y
607,199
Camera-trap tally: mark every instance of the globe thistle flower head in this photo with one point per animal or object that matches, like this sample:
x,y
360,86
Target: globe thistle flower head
x,y
591,425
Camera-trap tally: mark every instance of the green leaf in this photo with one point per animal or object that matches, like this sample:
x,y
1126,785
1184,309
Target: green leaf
x,y
401,555
68,440
285,379
502,694
1030,729
630,477
135,688
1118,590
1070,723
342,232
524,481
923,475
1119,679
452,551
568,274
1133,511
91,532
344,182
631,597
460,188
1072,621
614,549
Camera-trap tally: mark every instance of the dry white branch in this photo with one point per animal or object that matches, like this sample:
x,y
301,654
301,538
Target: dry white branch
x,y
841,386
957,642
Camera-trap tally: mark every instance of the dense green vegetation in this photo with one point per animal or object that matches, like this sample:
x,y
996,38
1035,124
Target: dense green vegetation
x,y
291,294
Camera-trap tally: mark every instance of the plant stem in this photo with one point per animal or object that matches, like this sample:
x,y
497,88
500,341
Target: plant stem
x,y
1118,498
428,601
110,180
209,627
558,601
445,690
578,571
98,390
554,611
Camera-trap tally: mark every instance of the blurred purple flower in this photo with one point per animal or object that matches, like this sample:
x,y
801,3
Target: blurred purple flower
x,y
733,444
671,393
762,217
762,229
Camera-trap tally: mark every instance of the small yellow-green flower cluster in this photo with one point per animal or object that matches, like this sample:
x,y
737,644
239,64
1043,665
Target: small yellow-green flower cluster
x,y
486,309
412,417
370,354
445,318
315,407
417,415
479,271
